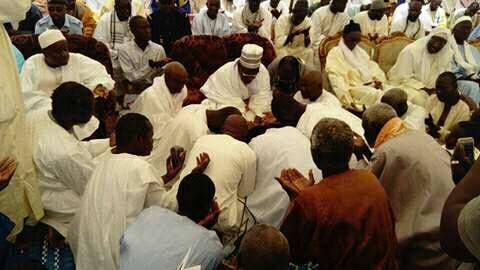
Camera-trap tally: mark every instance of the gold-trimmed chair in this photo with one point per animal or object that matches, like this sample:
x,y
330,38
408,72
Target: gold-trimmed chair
x,y
475,43
389,48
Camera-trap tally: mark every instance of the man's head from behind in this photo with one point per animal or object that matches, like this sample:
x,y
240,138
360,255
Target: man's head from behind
x,y
57,10
140,28
311,85
236,126
374,119
332,144
54,48
446,88
397,98
212,8
195,196
216,118
250,62
176,77
72,104
134,134
263,248
414,10
286,109
123,9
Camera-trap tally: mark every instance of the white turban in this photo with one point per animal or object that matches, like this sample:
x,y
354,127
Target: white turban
x,y
251,56
50,37
441,33
461,19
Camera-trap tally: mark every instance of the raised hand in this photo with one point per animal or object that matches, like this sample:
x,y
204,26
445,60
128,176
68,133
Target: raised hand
x,y
202,163
294,182
174,163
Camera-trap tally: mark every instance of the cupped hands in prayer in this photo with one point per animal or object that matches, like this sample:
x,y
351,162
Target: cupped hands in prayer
x,y
8,167
100,91
174,163
212,217
294,182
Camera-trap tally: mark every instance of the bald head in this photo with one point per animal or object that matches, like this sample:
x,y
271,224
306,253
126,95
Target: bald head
x,y
176,77
216,118
397,98
374,118
264,248
311,85
236,126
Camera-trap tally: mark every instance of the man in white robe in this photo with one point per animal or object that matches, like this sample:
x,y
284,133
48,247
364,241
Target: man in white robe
x,y
374,23
269,202
292,35
63,163
210,22
42,73
113,30
433,15
252,18
419,64
243,84
21,199
141,59
412,115
232,168
355,79
312,92
445,108
328,21
164,99
409,22
121,186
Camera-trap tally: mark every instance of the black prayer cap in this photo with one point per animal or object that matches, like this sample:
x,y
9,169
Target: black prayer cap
x,y
351,27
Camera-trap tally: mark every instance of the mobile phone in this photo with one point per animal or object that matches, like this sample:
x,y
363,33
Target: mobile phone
x,y
468,145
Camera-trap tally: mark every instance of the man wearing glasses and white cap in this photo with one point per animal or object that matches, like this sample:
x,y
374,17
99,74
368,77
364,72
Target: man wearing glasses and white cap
x,y
243,84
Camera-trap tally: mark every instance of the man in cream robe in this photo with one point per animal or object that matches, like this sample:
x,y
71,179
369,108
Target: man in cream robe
x,y
164,99
419,65
21,199
374,22
433,15
253,18
121,186
39,79
243,84
355,79
292,35
407,21
328,21
269,202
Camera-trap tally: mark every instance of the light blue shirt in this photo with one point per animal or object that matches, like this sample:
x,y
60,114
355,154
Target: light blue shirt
x,y
160,239
18,58
72,25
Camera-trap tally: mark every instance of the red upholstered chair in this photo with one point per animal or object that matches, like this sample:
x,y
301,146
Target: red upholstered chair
x,y
201,56
28,45
235,42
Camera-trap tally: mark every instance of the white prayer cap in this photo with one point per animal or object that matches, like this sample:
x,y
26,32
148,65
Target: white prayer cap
x,y
251,56
461,19
441,33
50,37
377,4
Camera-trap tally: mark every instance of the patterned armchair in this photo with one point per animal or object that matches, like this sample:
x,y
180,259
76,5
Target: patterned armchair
x,y
475,43
28,45
235,42
389,48
201,56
